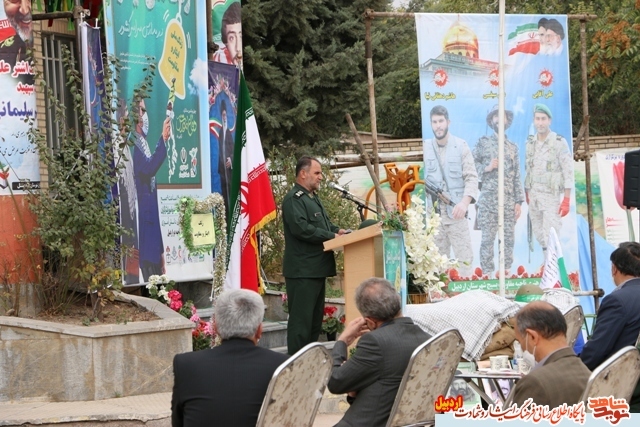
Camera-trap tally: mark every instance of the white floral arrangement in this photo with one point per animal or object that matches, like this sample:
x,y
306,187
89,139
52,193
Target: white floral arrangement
x,y
424,261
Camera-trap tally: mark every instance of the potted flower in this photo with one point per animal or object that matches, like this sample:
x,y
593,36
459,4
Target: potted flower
x,y
331,324
426,266
161,289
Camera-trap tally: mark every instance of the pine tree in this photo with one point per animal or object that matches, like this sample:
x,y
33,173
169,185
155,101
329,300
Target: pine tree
x,y
305,66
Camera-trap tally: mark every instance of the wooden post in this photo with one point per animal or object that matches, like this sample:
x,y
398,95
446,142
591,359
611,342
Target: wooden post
x,y
368,53
376,181
587,157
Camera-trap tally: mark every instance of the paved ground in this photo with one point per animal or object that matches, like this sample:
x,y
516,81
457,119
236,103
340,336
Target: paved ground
x,y
152,410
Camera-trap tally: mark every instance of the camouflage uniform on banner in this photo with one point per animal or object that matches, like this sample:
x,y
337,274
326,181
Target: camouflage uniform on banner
x,y
485,155
449,165
549,174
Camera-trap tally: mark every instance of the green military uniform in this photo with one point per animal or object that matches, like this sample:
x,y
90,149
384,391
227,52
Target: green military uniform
x,y
306,265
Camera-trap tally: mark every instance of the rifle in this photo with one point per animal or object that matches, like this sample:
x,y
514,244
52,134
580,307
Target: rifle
x,y
437,192
529,235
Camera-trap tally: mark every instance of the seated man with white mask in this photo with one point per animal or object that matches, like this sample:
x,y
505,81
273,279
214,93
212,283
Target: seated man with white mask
x,y
558,376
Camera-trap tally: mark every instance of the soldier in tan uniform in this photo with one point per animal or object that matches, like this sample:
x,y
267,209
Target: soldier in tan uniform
x,y
485,154
449,165
549,176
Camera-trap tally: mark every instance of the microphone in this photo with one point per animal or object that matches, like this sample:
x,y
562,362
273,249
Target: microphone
x,y
337,187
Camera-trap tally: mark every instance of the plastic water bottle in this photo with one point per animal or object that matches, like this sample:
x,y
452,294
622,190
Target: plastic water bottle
x,y
518,360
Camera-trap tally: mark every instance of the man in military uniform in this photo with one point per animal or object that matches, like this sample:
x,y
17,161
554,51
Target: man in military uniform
x,y
306,265
485,155
549,175
449,165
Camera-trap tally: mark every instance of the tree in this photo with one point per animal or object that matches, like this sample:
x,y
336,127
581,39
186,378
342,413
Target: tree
x,y
305,67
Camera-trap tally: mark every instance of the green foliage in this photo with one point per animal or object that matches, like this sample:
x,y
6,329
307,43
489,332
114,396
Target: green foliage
x,y
282,174
305,66
76,215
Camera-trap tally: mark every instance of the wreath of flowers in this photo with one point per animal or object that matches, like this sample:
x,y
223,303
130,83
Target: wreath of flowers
x,y
187,206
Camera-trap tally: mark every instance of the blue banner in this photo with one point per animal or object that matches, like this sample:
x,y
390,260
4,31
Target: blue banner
x,y
458,58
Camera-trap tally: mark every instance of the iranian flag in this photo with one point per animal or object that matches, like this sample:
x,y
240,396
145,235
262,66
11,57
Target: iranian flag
x,y
555,273
251,200
524,39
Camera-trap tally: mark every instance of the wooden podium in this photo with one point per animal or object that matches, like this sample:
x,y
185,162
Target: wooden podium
x,y
363,258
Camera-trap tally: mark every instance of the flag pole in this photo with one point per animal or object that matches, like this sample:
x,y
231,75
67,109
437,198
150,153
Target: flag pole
x,y
501,124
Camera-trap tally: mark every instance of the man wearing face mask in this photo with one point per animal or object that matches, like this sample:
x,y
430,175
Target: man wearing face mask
x,y
387,340
558,376
618,320
145,166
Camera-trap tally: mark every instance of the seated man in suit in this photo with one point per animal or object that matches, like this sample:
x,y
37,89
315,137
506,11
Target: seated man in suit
x,y
558,376
618,320
374,372
225,385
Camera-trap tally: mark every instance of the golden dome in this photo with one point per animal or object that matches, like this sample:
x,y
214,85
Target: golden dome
x,y
460,40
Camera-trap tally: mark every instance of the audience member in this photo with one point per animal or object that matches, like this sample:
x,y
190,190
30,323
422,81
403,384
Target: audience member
x,y
225,385
618,320
558,376
373,374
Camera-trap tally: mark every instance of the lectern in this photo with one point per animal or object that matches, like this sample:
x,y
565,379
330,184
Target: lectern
x,y
363,258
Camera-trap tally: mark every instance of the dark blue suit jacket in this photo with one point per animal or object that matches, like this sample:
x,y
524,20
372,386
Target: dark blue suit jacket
x,y
617,324
149,232
223,386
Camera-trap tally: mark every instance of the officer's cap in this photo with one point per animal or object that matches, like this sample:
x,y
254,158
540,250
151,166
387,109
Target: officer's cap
x,y
541,108
494,111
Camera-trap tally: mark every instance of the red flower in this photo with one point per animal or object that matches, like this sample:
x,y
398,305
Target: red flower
x,y
175,304
330,310
520,270
175,296
478,271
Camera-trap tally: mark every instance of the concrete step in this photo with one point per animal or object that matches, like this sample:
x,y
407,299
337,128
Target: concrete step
x,y
274,334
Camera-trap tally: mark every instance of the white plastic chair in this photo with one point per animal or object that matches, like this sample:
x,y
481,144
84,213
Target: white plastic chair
x,y
429,374
617,376
296,389
575,319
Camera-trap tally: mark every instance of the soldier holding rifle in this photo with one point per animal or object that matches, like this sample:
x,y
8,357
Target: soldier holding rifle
x,y
449,166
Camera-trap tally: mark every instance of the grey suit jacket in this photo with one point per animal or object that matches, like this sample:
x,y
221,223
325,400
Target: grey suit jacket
x,y
562,379
374,371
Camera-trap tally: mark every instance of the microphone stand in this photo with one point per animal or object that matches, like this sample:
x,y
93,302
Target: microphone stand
x,y
360,206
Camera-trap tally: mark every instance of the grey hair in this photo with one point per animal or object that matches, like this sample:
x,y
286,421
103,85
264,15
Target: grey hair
x,y
378,299
238,313
543,318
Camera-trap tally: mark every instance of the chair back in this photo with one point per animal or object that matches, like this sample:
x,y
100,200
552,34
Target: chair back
x,y
430,371
296,389
617,376
575,319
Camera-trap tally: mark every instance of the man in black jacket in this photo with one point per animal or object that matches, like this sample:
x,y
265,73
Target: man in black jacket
x,y
225,385
618,320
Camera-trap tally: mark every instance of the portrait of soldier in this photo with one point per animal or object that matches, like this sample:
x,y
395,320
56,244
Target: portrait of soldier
x,y
485,155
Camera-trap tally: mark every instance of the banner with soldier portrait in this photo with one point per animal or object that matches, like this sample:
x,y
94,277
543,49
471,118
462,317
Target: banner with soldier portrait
x,y
458,60
170,153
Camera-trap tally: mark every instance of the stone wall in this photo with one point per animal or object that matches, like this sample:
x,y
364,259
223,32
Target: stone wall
x,y
59,362
388,145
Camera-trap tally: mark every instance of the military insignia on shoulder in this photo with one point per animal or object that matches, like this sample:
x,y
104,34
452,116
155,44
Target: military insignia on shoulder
x,y
298,193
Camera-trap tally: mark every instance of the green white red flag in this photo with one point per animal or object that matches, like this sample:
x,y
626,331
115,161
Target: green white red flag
x,y
251,199
555,272
524,39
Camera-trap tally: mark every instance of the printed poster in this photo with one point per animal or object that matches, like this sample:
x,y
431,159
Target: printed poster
x,y
458,60
169,159
226,24
223,108
617,219
19,162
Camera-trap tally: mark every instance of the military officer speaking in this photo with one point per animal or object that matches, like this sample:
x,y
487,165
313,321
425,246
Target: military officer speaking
x,y
549,175
306,265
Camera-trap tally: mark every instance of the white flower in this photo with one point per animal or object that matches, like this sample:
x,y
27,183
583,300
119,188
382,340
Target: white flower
x,y
425,262
162,293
